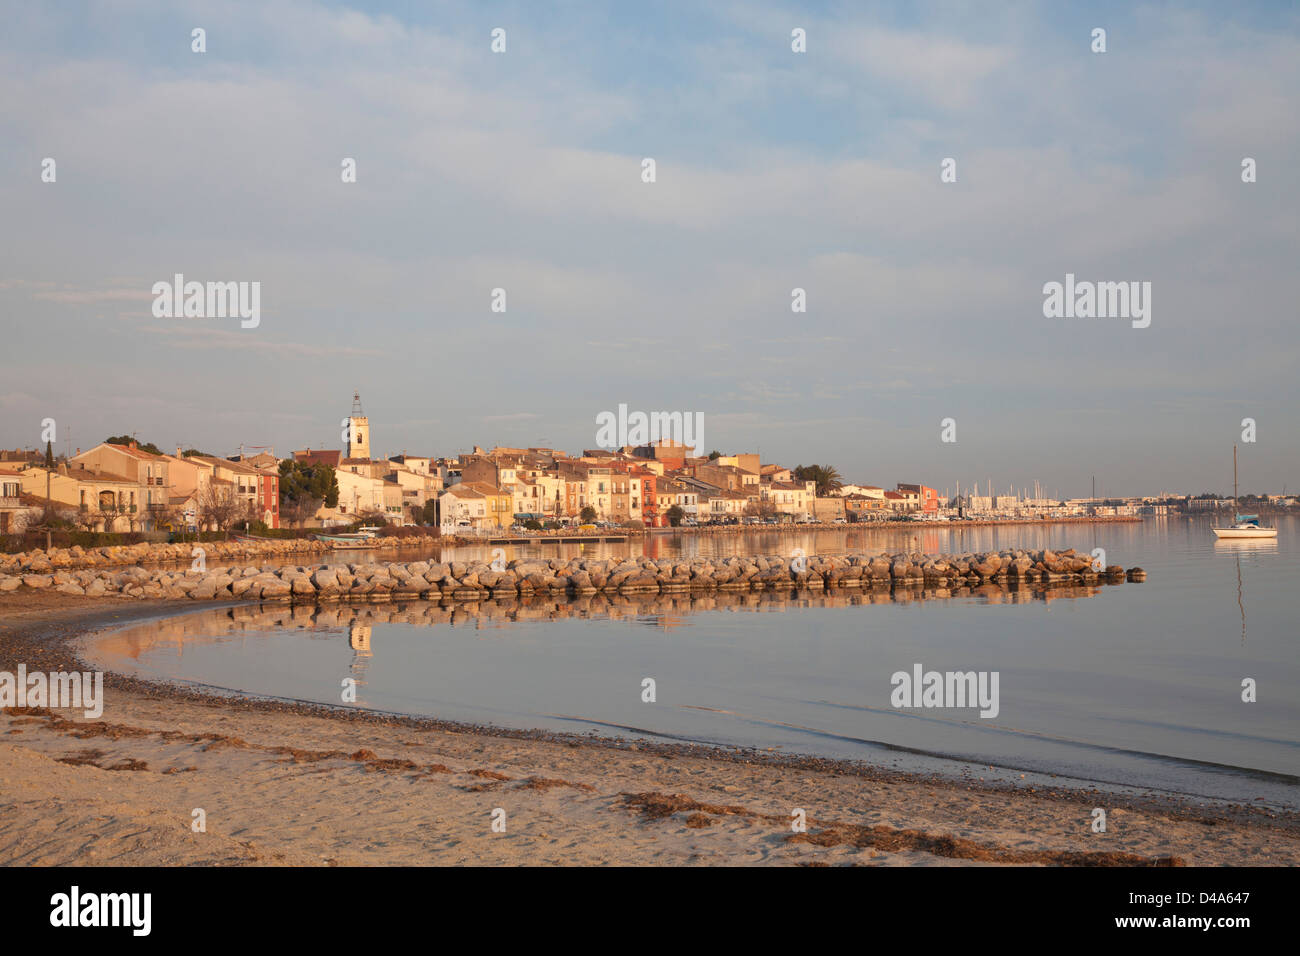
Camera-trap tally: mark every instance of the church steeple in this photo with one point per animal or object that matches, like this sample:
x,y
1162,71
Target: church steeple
x,y
358,431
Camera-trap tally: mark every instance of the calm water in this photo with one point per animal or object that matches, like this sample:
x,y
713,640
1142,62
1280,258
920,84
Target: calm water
x,y
1132,685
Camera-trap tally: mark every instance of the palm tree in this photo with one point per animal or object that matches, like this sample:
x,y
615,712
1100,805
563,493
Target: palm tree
x,y
826,477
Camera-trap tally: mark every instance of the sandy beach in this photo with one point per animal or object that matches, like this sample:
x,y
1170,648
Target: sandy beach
x,y
290,784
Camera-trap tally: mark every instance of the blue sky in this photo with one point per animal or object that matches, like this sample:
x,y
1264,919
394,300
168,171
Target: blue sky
x,y
775,170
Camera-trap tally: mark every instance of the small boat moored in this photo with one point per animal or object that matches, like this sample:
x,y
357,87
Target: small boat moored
x,y
344,541
1247,526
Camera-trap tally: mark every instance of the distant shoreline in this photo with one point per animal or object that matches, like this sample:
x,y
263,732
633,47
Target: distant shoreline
x,y
891,525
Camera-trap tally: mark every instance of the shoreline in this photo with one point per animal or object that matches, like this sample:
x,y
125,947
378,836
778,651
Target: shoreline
x,y
606,800
904,525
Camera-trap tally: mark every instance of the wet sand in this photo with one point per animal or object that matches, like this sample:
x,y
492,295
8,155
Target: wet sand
x,y
297,784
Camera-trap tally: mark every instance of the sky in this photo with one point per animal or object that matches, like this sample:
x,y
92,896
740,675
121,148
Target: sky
x,y
775,170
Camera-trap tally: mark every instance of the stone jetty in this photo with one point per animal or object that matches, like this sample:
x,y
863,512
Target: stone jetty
x,y
44,562
468,581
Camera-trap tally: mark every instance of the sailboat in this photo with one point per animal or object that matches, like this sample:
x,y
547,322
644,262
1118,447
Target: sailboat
x,y
1247,526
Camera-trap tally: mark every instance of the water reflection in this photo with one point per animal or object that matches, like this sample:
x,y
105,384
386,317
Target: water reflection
x,y
1139,687
1237,547
661,611
359,640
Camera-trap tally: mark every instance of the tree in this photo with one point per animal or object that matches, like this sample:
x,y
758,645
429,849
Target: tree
x,y
825,476
174,518
85,519
112,509
300,509
150,447
195,453
299,480
49,470
219,504
33,519
587,515
675,514
715,455
429,513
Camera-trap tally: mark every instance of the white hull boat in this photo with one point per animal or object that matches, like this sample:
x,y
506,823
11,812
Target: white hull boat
x,y
1247,526
1245,530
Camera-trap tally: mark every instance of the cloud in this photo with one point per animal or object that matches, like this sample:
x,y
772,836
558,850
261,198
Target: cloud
x,y
248,341
72,297
514,417
776,170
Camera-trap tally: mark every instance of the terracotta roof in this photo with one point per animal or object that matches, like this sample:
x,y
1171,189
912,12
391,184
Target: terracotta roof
x,y
309,457
134,452
474,489
241,467
90,474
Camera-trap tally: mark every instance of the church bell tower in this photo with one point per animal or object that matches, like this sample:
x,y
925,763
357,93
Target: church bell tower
x,y
358,431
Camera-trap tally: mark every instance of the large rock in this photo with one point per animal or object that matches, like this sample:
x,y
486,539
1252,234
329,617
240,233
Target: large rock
x,y
273,588
325,578
301,584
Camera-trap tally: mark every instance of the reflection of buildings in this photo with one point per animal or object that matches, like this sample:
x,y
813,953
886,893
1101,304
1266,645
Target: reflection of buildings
x,y
359,641
216,625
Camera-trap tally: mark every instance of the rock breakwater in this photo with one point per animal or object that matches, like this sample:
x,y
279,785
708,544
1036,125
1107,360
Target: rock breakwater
x,y
469,580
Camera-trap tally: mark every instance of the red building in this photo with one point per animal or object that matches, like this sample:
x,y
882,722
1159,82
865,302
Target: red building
x,y
927,498
268,496
649,502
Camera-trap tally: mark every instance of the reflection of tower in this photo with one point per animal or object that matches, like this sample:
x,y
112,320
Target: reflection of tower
x,y
358,430
359,641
